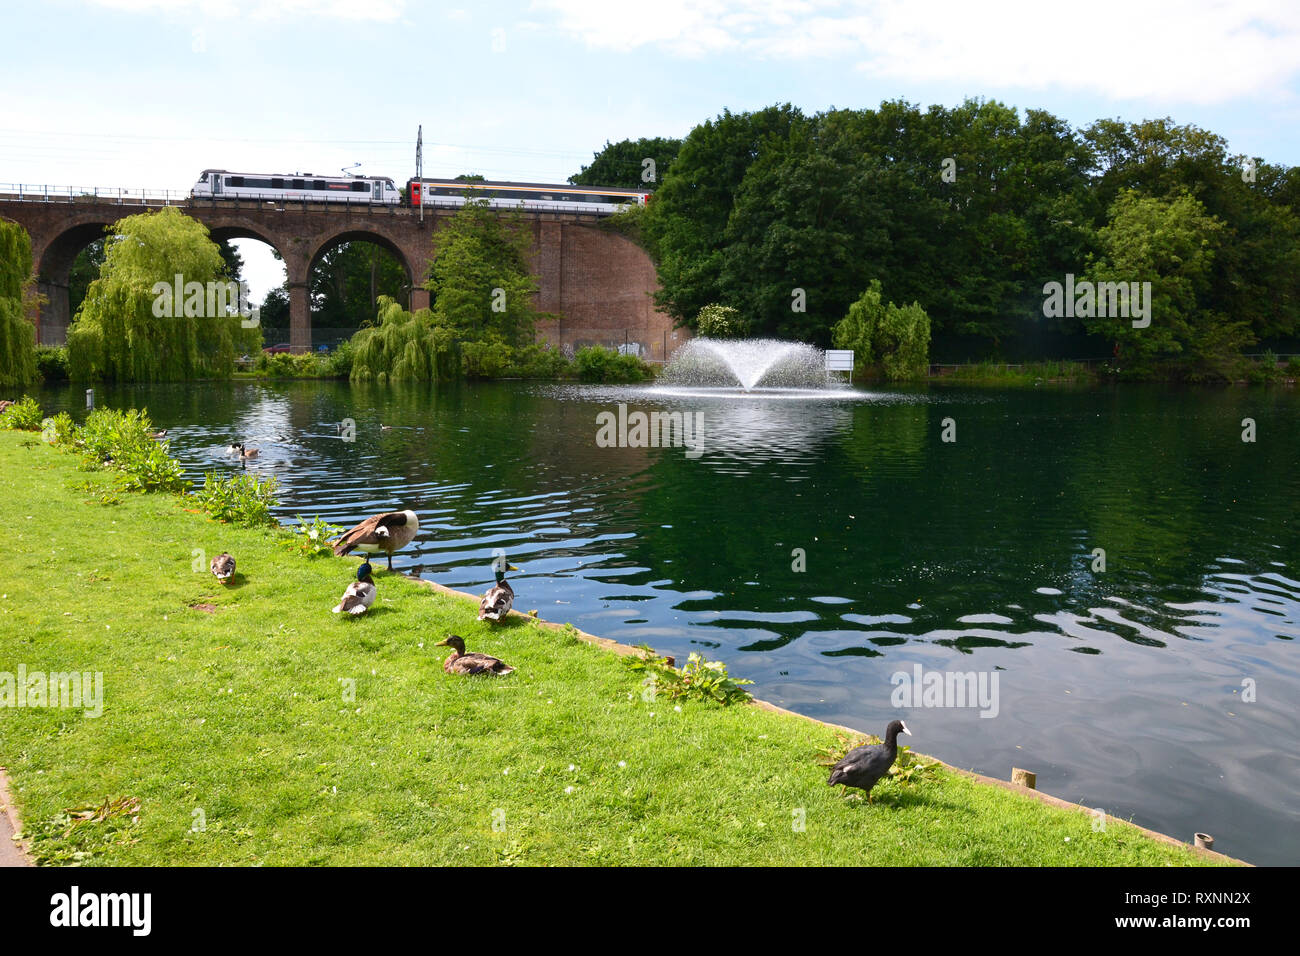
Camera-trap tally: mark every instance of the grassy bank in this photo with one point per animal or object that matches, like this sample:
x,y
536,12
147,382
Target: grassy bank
x,y
230,708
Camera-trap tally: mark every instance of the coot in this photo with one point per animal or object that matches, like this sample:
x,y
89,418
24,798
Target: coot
x,y
863,766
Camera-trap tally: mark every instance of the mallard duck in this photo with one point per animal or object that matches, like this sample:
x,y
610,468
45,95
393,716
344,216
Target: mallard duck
x,y
458,662
360,594
387,532
223,567
500,598
863,766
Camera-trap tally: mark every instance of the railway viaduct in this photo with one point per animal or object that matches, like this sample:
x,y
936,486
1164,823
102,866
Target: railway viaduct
x,y
598,282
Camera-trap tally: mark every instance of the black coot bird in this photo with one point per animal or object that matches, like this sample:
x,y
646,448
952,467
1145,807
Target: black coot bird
x,y
863,766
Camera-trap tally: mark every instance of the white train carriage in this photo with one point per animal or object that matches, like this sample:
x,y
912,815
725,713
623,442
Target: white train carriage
x,y
600,200
222,184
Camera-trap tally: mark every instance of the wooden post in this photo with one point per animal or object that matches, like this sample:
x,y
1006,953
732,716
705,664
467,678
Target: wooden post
x,y
1204,841
1025,778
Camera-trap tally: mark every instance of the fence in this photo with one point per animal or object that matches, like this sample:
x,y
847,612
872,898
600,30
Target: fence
x,y
650,345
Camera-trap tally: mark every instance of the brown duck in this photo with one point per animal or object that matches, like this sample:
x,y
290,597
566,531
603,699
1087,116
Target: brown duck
x,y
458,662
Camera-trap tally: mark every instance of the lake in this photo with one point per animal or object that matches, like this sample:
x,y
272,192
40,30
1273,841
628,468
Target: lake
x,y
829,547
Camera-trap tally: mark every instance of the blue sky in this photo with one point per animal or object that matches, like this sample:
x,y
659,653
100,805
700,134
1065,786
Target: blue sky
x,y
149,92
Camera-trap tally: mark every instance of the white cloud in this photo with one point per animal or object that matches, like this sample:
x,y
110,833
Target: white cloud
x,y
1199,51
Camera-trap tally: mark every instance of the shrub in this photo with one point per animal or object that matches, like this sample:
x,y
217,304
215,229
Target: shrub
x,y
720,322
59,430
597,364
52,363
898,339
240,499
23,415
1293,366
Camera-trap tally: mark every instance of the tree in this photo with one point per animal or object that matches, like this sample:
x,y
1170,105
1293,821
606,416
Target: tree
x,y
17,334
128,330
348,281
624,164
481,280
880,333
1170,244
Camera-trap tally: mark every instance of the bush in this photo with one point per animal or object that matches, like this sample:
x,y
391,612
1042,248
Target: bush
x,y
59,430
312,538
52,363
720,322
597,364
700,679
1293,366
23,415
896,338
121,441
241,499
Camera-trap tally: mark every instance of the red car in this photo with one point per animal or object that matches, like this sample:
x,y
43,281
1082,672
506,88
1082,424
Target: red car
x,y
281,347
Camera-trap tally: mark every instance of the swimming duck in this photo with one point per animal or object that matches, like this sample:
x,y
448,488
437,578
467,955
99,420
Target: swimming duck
x,y
863,766
360,594
500,598
223,567
461,663
387,532
158,435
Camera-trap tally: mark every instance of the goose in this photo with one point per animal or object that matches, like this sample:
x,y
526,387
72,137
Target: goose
x,y
387,532
247,452
360,594
223,567
500,598
159,434
863,766
461,663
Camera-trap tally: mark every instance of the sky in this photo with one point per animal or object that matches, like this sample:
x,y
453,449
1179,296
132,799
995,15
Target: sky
x,y
147,93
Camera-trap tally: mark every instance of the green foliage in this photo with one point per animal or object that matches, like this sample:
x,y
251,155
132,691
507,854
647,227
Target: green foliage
x,y
120,441
22,415
52,363
897,339
720,322
118,337
311,539
598,364
404,346
623,164
1293,366
17,334
59,430
699,679
243,499
348,280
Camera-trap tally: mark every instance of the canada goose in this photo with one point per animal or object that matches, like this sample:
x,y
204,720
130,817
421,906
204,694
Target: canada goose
x,y
387,532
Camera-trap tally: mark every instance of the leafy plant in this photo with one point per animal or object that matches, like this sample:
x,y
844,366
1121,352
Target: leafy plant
x,y
23,415
699,679
311,538
597,364
720,322
59,430
241,499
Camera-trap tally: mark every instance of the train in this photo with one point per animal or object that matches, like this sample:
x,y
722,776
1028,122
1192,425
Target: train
x,y
216,184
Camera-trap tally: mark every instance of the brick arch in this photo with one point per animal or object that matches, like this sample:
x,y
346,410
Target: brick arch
x,y
52,261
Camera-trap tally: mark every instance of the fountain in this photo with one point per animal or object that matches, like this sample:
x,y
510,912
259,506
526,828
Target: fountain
x,y
747,363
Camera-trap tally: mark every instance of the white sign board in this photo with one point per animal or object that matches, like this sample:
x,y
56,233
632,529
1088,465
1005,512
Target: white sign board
x,y
839,360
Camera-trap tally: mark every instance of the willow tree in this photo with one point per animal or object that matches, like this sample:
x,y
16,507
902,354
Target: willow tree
x,y
17,334
130,330
403,346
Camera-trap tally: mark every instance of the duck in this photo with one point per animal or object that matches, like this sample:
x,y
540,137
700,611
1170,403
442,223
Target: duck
x,y
863,766
500,598
223,567
158,435
385,428
360,594
387,532
461,663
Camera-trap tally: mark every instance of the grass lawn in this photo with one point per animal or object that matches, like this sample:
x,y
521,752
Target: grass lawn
x,y
226,707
